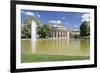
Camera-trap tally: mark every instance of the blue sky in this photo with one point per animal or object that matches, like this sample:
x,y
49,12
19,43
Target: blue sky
x,y
71,20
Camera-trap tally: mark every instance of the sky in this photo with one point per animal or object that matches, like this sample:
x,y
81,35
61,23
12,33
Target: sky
x,y
70,20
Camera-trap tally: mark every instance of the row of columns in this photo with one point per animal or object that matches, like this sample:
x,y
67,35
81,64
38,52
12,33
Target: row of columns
x,y
57,33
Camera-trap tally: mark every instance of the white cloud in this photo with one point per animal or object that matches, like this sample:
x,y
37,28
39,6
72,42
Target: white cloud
x,y
55,21
38,16
85,17
29,13
58,21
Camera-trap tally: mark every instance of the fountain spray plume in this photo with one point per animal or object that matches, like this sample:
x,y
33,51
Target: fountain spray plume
x,y
33,35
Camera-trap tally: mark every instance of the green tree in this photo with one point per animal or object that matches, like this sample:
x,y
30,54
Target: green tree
x,y
48,29
88,31
84,29
26,29
26,32
44,31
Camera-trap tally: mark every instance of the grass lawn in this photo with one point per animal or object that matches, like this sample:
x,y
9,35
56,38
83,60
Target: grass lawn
x,y
46,58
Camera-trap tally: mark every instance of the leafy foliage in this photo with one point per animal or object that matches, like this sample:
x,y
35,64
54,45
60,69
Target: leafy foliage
x,y
43,31
26,32
26,29
84,29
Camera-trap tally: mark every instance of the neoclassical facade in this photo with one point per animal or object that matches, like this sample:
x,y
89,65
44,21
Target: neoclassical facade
x,y
59,31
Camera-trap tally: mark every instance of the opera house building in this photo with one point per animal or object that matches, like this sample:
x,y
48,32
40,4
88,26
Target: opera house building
x,y
59,31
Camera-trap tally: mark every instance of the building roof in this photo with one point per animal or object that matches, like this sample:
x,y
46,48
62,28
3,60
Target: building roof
x,y
58,26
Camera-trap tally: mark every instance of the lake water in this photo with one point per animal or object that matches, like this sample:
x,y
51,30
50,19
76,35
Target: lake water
x,y
69,47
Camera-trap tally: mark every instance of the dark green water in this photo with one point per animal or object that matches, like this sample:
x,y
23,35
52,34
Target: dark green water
x,y
70,47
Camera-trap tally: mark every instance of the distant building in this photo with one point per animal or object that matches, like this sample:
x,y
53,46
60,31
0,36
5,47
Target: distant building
x,y
59,31
74,33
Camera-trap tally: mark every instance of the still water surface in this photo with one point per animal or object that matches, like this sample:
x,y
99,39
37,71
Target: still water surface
x,y
70,47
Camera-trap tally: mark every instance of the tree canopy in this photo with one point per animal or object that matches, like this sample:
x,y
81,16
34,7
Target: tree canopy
x,y
43,31
84,29
26,29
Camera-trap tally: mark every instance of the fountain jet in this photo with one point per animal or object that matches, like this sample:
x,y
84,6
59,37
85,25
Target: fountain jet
x,y
33,35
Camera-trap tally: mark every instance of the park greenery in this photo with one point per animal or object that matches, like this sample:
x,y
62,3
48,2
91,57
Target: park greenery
x,y
43,58
85,29
43,31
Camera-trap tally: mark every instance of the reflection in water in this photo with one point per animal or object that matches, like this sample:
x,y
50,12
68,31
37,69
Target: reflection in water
x,y
33,46
69,47
84,45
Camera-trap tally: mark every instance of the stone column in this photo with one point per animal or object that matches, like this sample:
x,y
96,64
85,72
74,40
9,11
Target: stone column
x,y
61,33
64,33
58,33
68,34
53,34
